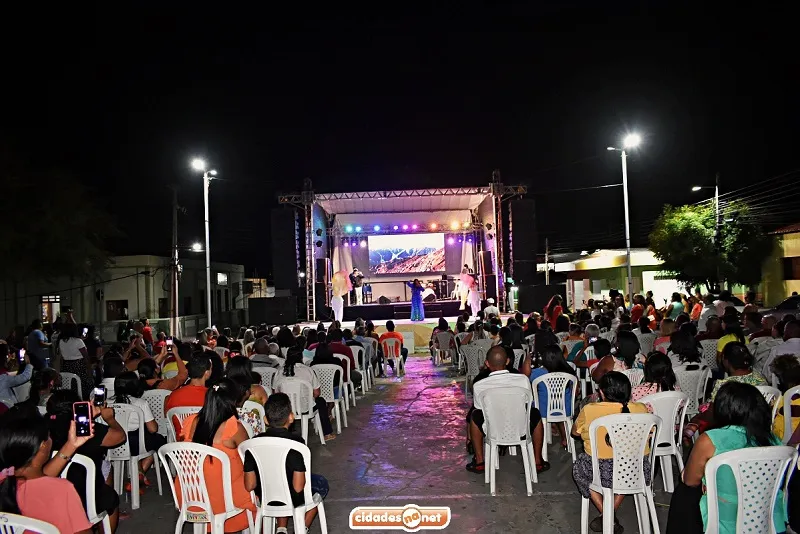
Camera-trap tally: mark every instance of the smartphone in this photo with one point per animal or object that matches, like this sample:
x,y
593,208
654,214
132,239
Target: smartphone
x,y
85,332
169,341
82,415
21,355
592,340
99,396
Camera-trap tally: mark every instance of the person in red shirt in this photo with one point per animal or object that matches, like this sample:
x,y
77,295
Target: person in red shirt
x,y
147,335
638,309
391,334
553,309
162,341
193,393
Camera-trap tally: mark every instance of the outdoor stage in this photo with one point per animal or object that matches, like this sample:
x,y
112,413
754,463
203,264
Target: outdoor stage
x,y
415,334
401,310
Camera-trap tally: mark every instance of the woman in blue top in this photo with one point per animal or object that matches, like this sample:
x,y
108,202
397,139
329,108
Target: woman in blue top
x,y
675,307
552,359
417,308
742,418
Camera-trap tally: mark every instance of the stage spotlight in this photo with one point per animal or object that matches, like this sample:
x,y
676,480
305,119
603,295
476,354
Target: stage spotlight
x,y
450,240
319,244
347,243
301,274
433,226
318,232
413,226
358,228
466,225
460,240
376,228
469,240
354,243
454,225
395,227
405,227
348,229
363,244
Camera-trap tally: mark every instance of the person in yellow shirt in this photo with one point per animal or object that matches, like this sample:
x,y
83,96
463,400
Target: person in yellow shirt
x,y
615,394
732,332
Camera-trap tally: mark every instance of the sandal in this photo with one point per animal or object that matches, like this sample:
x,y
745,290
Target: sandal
x,y
476,467
544,466
330,437
143,481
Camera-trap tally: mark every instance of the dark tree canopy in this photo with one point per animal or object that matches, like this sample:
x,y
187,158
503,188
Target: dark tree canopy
x,y
683,238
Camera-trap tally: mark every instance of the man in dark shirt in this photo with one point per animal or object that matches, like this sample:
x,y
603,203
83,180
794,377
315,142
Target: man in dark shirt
x,y
280,417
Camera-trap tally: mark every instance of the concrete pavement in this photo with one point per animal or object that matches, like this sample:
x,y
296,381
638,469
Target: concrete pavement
x,y
405,444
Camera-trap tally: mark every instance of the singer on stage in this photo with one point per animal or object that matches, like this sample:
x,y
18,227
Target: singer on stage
x,y
357,281
417,307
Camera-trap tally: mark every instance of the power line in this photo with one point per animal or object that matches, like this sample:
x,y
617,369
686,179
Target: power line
x,y
57,291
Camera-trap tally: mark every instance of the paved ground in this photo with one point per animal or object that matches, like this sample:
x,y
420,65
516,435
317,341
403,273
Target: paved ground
x,y
405,444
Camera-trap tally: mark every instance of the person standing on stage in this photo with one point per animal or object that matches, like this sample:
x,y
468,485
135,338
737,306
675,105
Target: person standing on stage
x,y
474,295
357,279
463,287
341,287
417,308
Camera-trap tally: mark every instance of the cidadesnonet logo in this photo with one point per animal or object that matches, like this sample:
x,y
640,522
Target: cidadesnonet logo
x,y
410,518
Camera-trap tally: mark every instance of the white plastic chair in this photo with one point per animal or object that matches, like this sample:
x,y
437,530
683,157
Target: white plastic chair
x,y
709,354
327,373
121,455
348,389
12,523
635,376
630,435
270,457
788,430
560,387
360,355
180,413
254,407
585,376
692,383
569,344
519,356
188,461
473,357
267,375
484,345
444,352
507,416
529,341
22,392
562,336
90,485
770,393
67,379
301,395
646,343
758,472
670,406
157,399
391,351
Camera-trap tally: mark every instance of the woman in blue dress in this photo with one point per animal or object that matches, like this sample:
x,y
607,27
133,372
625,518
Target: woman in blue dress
x,y
417,308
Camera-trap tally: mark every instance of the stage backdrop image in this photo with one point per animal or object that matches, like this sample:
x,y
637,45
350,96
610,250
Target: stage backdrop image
x,y
401,254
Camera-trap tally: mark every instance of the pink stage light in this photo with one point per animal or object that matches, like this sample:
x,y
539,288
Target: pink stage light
x,y
395,227
363,244
413,226
347,243
450,240
405,227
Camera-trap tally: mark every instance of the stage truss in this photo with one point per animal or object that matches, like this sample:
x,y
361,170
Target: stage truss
x,y
306,199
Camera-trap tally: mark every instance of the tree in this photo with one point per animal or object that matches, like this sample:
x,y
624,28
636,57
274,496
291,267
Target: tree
x,y
683,238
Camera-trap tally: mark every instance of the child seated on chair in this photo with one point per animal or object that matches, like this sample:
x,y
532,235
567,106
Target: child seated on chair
x,y
280,417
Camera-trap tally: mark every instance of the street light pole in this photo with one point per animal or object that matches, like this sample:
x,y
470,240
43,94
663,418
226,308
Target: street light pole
x,y
627,224
173,301
206,180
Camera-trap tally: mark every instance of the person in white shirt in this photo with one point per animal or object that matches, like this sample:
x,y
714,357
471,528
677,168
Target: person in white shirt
x,y
499,376
74,358
709,309
790,345
723,302
491,309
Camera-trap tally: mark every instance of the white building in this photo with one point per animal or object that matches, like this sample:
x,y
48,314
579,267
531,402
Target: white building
x,y
133,287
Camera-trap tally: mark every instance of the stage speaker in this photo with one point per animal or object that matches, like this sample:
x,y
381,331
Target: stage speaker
x,y
523,241
486,260
532,298
284,262
491,287
323,270
277,310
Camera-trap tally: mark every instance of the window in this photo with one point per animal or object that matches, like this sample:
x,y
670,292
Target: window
x,y
116,310
791,268
222,279
187,305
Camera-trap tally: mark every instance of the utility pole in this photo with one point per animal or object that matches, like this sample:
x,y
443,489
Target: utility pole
x,y
717,240
174,325
546,261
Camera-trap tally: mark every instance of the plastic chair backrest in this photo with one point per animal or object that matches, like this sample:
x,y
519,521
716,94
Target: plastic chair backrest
x,y
646,342
188,460
507,413
629,435
770,393
569,344
157,399
588,353
709,355
484,345
267,375
327,378
123,414
270,456
358,355
67,380
788,429
445,340
692,383
474,358
17,524
391,348
22,392
670,406
635,376
519,355
180,414
90,483
758,472
559,386
346,360
562,336
300,393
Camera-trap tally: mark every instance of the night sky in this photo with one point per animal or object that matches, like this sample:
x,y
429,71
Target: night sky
x,y
123,99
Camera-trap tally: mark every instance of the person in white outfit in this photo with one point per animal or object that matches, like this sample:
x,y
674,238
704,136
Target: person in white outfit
x,y
474,297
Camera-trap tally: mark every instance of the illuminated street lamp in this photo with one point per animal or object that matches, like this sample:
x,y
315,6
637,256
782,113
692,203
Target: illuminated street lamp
x,y
630,141
200,165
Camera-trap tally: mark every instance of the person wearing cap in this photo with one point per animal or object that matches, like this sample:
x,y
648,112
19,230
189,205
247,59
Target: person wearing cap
x,y
491,309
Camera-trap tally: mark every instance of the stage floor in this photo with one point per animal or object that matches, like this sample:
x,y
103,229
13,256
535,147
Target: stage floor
x,y
416,334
